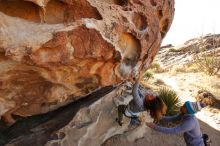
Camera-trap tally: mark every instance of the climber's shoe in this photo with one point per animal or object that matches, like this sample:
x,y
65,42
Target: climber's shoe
x,y
119,122
135,121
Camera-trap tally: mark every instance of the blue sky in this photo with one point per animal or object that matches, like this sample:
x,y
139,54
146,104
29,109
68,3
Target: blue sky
x,y
193,18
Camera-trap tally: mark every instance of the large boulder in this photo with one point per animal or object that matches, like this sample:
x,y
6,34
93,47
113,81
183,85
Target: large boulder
x,y
53,52
94,125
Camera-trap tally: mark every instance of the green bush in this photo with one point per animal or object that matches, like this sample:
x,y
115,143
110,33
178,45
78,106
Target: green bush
x,y
147,75
155,66
171,99
173,50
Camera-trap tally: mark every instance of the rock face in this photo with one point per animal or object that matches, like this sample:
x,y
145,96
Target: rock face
x,y
56,51
178,56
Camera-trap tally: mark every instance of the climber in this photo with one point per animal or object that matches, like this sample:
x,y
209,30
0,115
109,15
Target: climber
x,y
150,102
189,125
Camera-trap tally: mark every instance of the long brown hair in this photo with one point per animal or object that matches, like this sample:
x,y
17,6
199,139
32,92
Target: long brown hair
x,y
154,105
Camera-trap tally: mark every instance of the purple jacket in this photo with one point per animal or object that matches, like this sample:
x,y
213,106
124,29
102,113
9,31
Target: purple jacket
x,y
189,126
136,105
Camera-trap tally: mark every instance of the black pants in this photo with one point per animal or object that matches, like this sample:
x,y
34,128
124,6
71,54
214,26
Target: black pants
x,y
206,140
121,111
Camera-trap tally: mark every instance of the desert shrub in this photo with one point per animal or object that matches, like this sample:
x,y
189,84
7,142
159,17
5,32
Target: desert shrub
x,y
171,99
155,67
208,60
147,75
173,50
190,67
159,82
181,69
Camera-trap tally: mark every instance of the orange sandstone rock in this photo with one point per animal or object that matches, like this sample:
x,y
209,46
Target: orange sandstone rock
x,y
53,52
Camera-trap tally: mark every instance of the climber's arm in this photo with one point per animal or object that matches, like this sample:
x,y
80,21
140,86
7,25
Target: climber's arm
x,y
186,125
136,96
171,118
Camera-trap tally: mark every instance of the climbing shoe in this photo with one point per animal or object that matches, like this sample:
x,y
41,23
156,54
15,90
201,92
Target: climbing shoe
x,y
135,121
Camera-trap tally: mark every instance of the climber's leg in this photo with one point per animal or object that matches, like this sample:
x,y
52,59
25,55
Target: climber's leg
x,y
121,111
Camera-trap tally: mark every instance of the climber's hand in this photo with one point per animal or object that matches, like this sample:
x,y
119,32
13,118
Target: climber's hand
x,y
132,80
151,125
135,79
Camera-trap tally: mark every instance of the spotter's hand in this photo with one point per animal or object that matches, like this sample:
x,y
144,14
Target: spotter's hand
x,y
151,125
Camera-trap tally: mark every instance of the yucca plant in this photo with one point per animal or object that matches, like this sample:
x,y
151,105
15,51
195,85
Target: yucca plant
x,y
171,99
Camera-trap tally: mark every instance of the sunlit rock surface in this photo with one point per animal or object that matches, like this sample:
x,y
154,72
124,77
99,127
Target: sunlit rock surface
x,y
56,51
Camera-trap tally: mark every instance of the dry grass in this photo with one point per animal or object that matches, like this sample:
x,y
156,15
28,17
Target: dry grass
x,y
208,63
156,67
208,59
174,50
192,67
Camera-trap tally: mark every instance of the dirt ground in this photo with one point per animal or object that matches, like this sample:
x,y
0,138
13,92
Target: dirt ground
x,y
186,86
